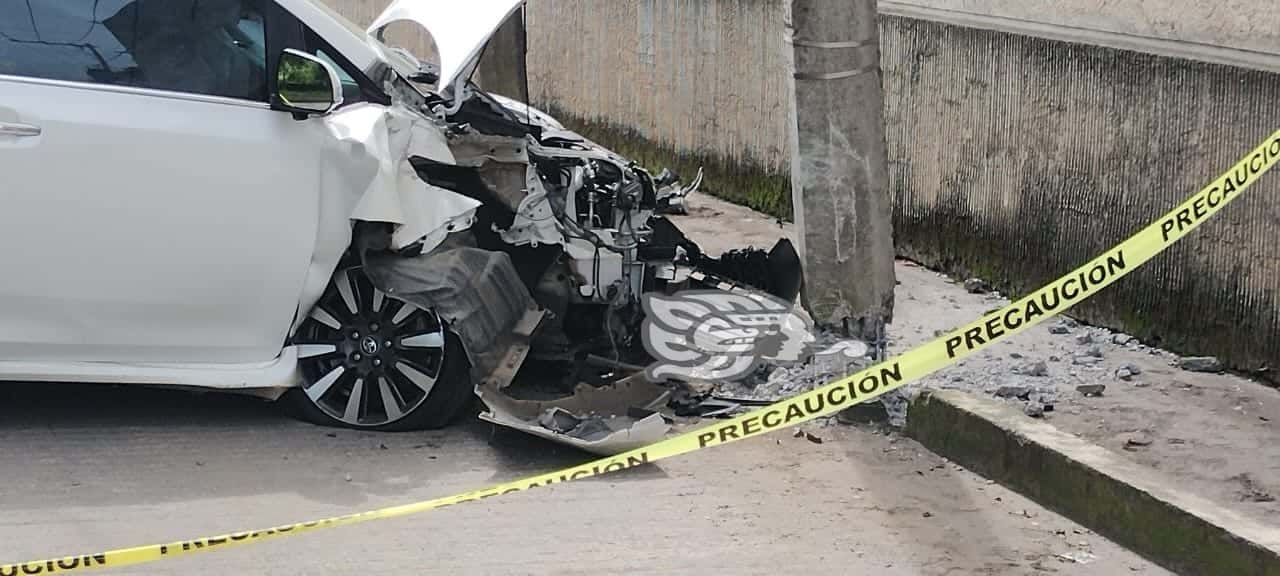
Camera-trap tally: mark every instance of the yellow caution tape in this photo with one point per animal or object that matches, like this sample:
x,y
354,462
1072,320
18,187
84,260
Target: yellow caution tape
x,y
1044,303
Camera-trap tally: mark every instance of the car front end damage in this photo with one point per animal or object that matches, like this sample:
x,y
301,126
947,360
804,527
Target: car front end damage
x,y
531,243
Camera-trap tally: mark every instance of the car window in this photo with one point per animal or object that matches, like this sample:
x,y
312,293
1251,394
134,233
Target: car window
x,y
350,88
214,47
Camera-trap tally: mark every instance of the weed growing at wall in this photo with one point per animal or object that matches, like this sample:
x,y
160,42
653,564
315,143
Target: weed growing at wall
x,y
743,182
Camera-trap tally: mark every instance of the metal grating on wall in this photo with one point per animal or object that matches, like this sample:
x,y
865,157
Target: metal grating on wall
x,y
1017,158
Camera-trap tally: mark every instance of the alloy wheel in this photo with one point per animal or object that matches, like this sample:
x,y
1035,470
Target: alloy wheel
x,y
368,360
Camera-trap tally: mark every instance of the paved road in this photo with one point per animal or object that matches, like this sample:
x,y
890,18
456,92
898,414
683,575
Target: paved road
x,y
95,467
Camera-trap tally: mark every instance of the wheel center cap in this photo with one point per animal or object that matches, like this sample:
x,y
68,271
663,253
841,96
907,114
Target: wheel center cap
x,y
369,345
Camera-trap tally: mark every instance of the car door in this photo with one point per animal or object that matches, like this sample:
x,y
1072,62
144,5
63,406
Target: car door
x,y
153,208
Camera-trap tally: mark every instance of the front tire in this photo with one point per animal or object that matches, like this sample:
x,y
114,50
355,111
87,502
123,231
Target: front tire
x,y
371,362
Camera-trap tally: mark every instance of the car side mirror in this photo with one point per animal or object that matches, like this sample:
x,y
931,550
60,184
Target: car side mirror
x,y
306,85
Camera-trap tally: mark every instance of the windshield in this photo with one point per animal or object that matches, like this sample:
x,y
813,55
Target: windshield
x,y
405,67
340,19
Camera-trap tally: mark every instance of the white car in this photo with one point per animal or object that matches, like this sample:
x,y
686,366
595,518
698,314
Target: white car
x,y
180,181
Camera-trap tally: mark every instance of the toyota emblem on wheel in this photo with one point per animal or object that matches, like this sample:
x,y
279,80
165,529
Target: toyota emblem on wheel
x,y
369,345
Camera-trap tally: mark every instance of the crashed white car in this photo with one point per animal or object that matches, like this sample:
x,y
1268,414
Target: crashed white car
x,y
257,195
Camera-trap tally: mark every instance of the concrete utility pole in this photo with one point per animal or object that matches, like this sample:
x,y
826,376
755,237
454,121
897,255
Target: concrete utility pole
x,y
839,167
502,69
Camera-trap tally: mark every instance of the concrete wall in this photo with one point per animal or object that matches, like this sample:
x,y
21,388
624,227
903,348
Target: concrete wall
x,y
1017,158
1238,24
704,81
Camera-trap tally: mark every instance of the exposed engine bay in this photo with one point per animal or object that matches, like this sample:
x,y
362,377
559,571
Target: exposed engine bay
x,y
566,238
581,230
541,247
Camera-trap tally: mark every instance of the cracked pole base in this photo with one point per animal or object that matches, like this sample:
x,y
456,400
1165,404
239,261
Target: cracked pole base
x,y
840,180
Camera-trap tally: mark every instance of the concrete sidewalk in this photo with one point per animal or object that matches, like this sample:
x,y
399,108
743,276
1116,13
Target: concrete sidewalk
x,y
1216,434
1213,435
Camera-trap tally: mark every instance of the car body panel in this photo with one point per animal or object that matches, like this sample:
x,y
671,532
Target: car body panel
x,y
366,176
259,377
176,272
152,233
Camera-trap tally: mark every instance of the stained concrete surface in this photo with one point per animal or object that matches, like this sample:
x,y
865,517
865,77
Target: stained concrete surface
x,y
88,468
1215,435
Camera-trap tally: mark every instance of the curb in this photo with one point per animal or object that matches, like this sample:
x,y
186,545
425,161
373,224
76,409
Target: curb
x,y
1129,504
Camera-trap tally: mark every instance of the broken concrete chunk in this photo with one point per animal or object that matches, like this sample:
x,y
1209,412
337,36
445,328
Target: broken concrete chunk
x,y
1022,392
1133,369
1090,390
1038,369
1084,338
1060,328
976,286
807,436
1034,409
1137,440
1077,557
1250,490
1121,339
1094,351
1124,374
1200,364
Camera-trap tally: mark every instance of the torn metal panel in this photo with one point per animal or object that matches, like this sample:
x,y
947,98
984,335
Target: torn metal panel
x,y
672,195
517,349
367,176
386,137
601,420
535,221
504,166
501,162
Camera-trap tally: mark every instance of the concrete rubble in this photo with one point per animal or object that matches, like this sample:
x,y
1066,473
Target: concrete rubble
x,y
1200,364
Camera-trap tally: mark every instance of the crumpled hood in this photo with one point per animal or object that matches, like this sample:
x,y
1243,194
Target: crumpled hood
x,y
460,28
